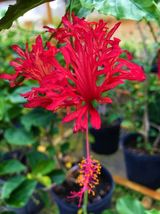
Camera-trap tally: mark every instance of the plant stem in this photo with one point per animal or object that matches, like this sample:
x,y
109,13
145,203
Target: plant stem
x,y
85,199
70,10
156,142
85,202
143,37
146,124
152,31
52,35
87,145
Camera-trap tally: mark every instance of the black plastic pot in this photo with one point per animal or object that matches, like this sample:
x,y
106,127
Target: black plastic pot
x,y
141,168
95,208
106,139
31,207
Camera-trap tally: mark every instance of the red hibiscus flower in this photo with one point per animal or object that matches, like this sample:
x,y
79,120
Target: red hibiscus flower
x,y
92,65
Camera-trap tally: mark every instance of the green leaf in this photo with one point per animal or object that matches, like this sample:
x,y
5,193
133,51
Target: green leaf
x,y
35,157
10,185
43,167
51,151
64,147
83,12
17,10
57,176
21,195
19,136
76,5
150,7
16,97
108,212
2,107
121,9
129,205
152,212
40,163
127,124
11,167
37,118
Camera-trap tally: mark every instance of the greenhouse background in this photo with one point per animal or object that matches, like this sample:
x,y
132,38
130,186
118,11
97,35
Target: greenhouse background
x,y
79,107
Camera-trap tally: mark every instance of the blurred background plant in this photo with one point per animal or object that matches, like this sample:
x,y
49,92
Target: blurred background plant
x,y
31,158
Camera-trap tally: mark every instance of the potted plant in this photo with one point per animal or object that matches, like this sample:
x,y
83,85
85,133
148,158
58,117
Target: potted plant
x,y
91,66
26,177
141,144
106,139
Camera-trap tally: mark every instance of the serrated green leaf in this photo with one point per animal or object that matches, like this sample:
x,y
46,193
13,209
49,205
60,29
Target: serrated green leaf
x,y
123,9
11,167
17,10
19,136
22,194
10,185
150,7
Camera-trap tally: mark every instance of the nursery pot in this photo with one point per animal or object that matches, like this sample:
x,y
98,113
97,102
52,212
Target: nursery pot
x,y
94,208
31,207
141,168
106,139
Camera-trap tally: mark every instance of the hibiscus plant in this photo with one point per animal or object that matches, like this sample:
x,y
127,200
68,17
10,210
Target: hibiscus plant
x,y
77,73
92,65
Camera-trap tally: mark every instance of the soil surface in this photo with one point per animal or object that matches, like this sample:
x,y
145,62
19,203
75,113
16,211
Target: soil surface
x,y
136,144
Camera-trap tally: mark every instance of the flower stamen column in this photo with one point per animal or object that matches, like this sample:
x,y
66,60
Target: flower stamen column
x,y
89,170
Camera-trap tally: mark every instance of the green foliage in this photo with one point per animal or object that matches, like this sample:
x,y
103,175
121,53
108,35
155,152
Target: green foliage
x,y
57,176
37,118
10,185
19,136
152,212
21,195
129,205
35,157
11,166
127,9
17,10
43,167
64,147
150,7
16,98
